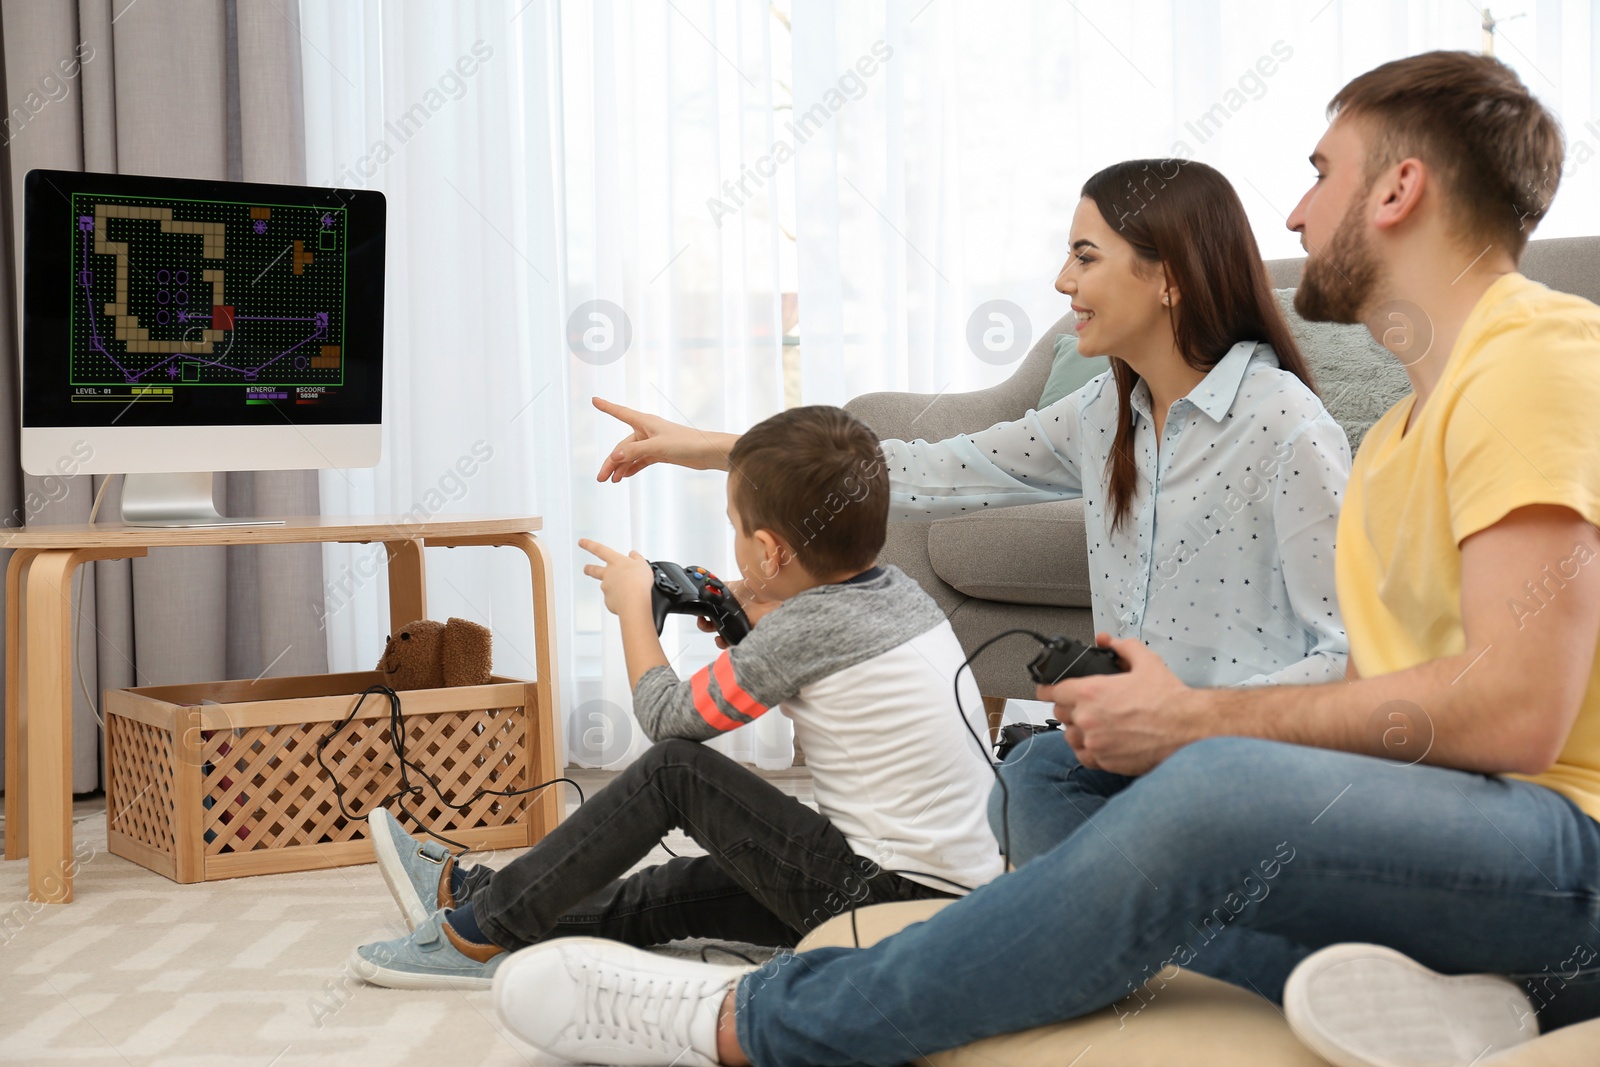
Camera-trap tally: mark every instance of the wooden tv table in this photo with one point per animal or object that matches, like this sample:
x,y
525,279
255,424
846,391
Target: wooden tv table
x,y
39,645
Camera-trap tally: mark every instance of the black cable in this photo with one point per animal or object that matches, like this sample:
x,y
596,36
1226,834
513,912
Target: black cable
x,y
925,874
724,948
397,740
994,765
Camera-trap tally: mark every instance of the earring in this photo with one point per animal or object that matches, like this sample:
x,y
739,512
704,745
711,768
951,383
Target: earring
x,y
1166,299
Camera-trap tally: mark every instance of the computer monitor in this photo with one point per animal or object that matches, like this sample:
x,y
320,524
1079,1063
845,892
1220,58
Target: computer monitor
x,y
173,328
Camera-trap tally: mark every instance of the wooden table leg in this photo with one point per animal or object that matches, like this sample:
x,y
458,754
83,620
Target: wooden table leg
x,y
549,756
44,703
48,693
994,709
408,583
550,804
16,734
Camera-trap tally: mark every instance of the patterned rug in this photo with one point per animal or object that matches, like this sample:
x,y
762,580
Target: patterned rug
x,y
141,971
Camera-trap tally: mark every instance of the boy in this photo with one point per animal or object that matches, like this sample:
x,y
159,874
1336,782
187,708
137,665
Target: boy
x,y
857,656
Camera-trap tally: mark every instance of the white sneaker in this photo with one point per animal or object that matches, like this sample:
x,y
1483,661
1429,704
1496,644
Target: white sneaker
x,y
1370,1006
589,1000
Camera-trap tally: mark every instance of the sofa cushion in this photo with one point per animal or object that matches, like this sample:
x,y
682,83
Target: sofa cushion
x,y
1357,378
1187,1019
1069,371
1034,554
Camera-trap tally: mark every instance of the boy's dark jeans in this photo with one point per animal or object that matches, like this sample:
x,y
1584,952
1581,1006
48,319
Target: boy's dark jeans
x,y
775,869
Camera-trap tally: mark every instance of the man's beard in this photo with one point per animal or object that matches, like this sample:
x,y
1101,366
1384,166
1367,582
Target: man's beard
x,y
1337,282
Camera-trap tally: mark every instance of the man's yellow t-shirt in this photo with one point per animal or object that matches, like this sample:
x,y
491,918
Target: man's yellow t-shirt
x,y
1515,421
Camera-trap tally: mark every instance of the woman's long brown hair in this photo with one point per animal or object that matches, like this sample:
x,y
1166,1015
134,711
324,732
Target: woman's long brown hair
x,y
1185,218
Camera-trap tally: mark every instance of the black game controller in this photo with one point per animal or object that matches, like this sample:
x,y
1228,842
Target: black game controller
x,y
1064,657
1014,734
696,591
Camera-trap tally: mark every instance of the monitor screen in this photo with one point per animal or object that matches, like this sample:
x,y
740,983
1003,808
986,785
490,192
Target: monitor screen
x,y
172,302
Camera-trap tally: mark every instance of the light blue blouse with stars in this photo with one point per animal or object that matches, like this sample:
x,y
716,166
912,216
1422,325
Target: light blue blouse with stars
x,y
1224,564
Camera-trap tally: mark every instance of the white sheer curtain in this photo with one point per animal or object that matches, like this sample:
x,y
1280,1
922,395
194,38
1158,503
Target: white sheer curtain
x,y
538,159
661,105
948,178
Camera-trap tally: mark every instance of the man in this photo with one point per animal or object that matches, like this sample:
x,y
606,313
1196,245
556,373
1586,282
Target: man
x,y
1442,802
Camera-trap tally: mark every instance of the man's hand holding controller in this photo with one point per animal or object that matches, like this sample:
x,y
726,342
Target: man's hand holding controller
x,y
1125,720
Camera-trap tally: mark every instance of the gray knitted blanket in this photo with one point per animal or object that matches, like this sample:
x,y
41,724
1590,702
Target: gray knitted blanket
x,y
1357,378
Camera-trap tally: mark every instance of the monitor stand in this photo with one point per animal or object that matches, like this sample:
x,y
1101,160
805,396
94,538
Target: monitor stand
x,y
176,500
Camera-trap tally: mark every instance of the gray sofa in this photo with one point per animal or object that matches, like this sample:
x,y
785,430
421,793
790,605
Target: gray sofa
x,y
1028,566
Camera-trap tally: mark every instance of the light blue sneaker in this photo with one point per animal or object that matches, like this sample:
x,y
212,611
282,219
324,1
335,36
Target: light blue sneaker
x,y
417,872
432,956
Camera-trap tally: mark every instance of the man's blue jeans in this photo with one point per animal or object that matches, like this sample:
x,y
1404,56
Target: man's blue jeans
x,y
1229,847
1044,779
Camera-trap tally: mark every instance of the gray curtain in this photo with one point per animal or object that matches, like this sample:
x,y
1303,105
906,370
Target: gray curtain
x,y
185,88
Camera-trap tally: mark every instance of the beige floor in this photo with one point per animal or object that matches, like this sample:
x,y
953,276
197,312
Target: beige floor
x,y
141,972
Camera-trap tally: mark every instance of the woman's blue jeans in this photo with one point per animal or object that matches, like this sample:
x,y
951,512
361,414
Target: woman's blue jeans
x,y
1235,857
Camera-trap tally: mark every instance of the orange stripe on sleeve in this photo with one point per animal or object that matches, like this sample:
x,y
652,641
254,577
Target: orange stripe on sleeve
x,y
732,691
700,685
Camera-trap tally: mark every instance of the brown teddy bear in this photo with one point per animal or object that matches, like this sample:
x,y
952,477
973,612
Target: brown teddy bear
x,y
429,655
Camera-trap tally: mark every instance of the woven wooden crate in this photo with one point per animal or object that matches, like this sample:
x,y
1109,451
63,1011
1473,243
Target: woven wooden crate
x,y
221,779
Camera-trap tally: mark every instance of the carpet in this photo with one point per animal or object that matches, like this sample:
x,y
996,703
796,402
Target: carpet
x,y
248,972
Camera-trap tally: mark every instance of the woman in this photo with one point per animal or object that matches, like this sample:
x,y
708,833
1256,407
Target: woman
x,y
1210,471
